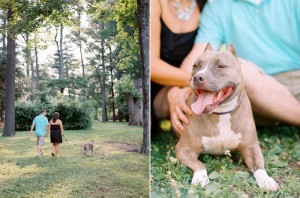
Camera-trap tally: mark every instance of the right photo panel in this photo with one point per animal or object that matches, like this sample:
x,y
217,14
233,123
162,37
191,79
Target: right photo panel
x,y
225,98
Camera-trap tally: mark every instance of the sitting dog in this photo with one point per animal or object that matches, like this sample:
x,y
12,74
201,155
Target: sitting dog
x,y
89,146
222,119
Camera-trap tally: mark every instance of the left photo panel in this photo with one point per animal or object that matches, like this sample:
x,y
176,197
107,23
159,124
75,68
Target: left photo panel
x,y
74,98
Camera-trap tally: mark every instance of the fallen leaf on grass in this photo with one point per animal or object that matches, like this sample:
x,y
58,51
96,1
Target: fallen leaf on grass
x,y
241,174
280,163
212,188
214,175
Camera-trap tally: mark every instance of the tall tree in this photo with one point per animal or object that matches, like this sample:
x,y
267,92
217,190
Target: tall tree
x,y
2,64
143,18
111,68
25,16
60,52
103,87
37,66
9,128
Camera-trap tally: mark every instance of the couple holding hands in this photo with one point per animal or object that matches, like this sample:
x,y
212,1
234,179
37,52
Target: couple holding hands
x,y
42,129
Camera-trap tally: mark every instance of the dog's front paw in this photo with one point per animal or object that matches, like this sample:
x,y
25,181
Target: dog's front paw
x,y
264,181
200,177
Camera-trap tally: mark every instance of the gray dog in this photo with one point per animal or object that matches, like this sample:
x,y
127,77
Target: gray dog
x,y
222,120
89,146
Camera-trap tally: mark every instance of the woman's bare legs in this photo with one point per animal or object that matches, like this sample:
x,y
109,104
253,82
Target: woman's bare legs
x,y
53,148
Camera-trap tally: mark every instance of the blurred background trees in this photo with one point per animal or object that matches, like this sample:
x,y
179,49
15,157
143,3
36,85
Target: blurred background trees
x,y
85,54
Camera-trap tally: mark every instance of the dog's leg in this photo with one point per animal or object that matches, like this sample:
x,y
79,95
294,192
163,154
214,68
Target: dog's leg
x,y
190,158
254,159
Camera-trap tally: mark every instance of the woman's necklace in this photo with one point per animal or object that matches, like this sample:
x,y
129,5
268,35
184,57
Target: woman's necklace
x,y
184,14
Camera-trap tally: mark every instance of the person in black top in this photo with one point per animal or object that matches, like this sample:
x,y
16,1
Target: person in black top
x,y
173,29
56,132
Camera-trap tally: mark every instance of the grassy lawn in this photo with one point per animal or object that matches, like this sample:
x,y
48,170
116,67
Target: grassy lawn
x,y
229,177
115,170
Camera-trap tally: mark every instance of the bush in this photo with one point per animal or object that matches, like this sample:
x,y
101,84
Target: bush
x,y
25,112
74,114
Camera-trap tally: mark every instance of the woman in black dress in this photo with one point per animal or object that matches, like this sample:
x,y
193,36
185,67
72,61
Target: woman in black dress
x,y
56,132
173,28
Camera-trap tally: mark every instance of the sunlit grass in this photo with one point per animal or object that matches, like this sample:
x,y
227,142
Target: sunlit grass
x,y
113,171
229,177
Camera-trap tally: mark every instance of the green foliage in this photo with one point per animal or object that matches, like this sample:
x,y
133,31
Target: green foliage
x,y
25,113
123,12
125,88
38,12
74,114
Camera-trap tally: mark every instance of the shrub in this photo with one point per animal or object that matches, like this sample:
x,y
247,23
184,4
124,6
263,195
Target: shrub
x,y
25,112
74,114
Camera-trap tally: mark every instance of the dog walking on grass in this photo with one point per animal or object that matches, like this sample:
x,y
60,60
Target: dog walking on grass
x,y
89,146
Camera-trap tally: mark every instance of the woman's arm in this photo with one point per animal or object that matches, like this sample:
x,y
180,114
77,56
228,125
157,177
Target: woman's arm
x,y
162,72
188,62
61,127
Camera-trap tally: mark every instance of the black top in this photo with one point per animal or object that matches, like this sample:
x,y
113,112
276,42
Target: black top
x,y
174,48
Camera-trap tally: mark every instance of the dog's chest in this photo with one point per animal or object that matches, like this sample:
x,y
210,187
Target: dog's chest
x,y
227,139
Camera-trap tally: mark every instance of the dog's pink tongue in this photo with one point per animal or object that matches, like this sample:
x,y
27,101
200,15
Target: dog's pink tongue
x,y
205,98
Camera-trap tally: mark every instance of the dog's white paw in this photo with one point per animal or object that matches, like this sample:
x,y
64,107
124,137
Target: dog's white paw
x,y
200,177
264,181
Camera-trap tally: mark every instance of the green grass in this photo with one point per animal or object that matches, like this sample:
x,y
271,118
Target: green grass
x,y
113,171
229,177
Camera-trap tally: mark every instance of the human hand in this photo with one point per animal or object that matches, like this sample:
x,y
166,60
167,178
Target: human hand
x,y
30,133
177,98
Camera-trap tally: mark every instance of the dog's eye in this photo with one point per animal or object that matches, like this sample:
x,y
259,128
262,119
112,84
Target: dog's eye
x,y
221,66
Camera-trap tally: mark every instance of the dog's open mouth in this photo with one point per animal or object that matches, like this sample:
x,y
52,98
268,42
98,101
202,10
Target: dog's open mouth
x,y
207,101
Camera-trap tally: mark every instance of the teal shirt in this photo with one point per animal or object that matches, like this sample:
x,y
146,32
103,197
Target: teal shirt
x,y
40,123
267,34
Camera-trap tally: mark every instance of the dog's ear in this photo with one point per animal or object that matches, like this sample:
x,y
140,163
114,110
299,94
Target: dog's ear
x,y
232,50
208,47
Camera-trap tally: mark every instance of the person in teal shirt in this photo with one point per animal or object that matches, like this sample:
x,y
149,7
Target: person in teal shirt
x,y
41,130
266,36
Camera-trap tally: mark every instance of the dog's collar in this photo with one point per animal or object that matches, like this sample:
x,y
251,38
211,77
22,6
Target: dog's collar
x,y
232,110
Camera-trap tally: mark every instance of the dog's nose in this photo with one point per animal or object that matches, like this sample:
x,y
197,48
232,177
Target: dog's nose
x,y
199,79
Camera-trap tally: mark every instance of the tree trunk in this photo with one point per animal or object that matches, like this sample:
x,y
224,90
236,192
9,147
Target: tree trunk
x,y
26,38
103,87
143,19
2,65
3,53
135,106
36,66
31,64
81,55
61,57
112,84
9,128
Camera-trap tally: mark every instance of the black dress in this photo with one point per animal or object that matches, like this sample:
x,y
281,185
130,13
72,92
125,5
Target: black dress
x,y
174,48
55,134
